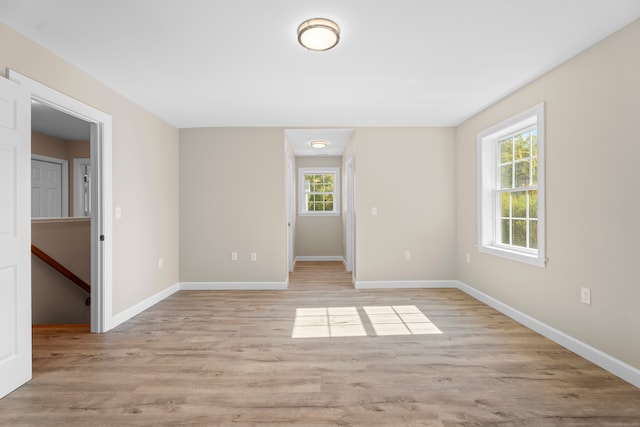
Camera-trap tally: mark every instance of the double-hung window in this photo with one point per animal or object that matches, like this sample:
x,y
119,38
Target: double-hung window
x,y
511,188
319,191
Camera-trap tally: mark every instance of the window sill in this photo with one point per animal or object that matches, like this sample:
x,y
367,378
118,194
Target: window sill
x,y
531,259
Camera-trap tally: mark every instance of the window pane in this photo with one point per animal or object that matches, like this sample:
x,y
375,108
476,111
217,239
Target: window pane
x,y
522,174
505,176
328,181
533,204
505,232
329,207
533,234
506,151
519,204
534,143
504,208
522,146
520,233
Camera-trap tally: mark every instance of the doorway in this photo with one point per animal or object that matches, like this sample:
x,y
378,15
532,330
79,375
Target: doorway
x,y
60,233
100,137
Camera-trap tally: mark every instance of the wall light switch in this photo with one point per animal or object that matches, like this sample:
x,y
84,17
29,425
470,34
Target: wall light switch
x,y
160,263
585,295
407,255
118,213
374,211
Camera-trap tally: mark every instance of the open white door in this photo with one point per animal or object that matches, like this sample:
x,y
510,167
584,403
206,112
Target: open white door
x,y
15,237
290,213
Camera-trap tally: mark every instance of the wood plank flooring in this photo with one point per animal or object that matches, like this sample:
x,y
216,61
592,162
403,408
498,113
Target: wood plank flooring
x,y
224,358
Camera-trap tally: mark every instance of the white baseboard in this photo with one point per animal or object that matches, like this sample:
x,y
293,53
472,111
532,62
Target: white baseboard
x,y
605,361
319,258
405,284
234,286
129,313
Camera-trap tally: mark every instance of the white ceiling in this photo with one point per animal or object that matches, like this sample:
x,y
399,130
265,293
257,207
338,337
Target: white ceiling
x,y
204,63
52,122
336,139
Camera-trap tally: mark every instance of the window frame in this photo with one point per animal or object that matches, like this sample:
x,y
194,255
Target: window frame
x,y
489,213
302,199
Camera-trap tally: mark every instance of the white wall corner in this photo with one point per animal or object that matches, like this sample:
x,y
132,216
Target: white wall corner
x,y
405,284
233,286
605,361
129,313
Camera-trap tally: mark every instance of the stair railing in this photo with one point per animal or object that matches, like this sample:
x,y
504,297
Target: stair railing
x,y
62,270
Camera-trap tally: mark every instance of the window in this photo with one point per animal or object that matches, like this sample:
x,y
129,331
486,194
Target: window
x,y
319,191
511,188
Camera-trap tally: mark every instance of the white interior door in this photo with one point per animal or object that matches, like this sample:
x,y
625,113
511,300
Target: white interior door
x,y
15,237
46,189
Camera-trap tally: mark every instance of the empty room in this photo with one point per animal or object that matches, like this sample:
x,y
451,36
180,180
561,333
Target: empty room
x,y
319,213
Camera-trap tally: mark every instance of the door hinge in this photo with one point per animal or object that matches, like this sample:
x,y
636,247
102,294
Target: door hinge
x,y
102,237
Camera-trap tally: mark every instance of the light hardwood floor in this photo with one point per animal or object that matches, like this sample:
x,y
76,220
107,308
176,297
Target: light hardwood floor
x,y
227,358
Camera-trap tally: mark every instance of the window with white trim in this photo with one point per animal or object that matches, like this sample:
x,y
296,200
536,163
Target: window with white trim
x,y
511,188
319,191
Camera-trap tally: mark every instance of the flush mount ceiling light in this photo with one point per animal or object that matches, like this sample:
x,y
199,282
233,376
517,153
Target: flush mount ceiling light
x,y
318,34
318,144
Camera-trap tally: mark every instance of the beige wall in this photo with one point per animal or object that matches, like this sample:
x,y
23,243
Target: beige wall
x,y
145,172
50,146
592,154
318,235
56,300
408,175
232,199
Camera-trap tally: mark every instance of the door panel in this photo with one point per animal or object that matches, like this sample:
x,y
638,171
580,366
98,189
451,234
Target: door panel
x,y
46,189
15,237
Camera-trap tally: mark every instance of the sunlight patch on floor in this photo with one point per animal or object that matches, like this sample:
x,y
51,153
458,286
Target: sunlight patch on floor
x,y
326,322
400,320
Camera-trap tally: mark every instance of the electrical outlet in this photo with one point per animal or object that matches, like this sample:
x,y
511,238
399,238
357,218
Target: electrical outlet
x,y
254,256
234,256
407,255
374,211
585,295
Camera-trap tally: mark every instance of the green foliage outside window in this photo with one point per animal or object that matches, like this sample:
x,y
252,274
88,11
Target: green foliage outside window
x,y
518,178
319,192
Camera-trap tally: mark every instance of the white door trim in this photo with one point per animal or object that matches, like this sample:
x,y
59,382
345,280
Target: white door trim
x,y
101,188
349,220
79,207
